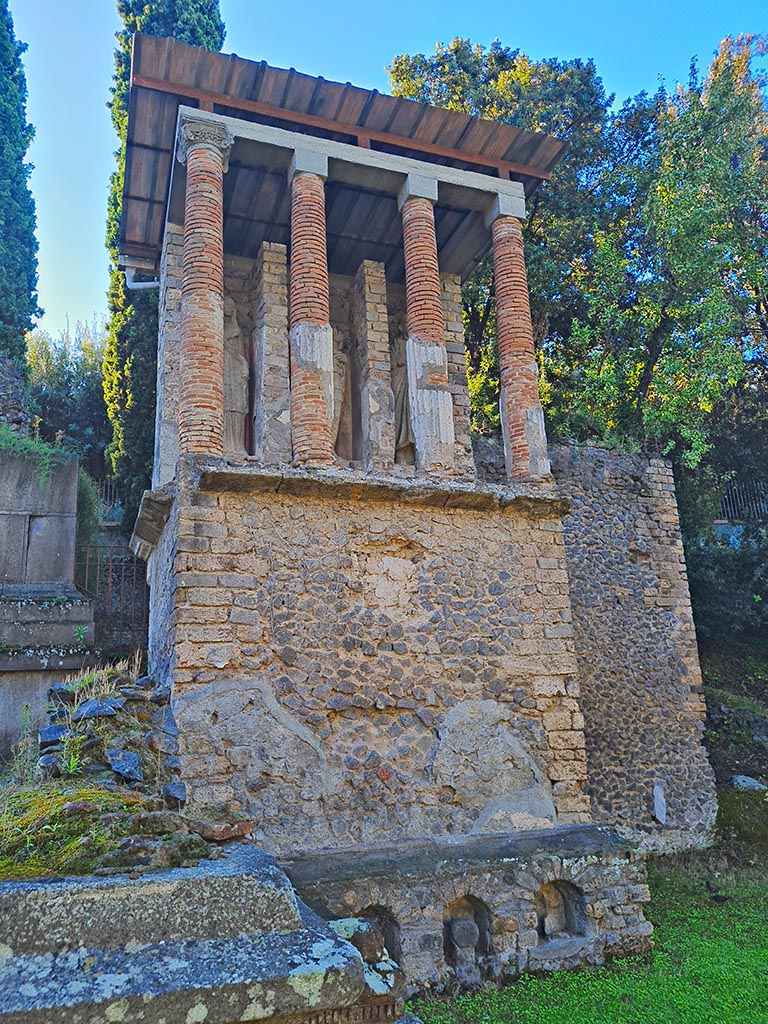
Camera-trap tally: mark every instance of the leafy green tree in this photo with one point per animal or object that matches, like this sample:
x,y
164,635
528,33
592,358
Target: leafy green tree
x,y
130,359
18,246
646,254
65,391
676,286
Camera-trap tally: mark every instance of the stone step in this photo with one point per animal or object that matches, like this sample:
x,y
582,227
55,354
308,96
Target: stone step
x,y
240,894
42,632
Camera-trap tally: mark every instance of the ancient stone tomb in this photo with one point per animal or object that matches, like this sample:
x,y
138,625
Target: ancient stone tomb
x,y
396,653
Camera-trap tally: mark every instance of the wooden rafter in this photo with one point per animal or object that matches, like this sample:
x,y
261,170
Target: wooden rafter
x,y
363,136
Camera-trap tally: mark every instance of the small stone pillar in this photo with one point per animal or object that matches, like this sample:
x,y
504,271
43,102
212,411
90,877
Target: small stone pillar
x,y
428,389
204,146
522,418
310,334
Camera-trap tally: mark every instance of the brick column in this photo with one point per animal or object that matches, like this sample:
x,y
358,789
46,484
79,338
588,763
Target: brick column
x,y
204,146
430,401
310,334
522,418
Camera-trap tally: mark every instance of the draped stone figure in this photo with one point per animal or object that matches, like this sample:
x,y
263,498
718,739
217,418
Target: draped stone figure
x,y
235,383
404,441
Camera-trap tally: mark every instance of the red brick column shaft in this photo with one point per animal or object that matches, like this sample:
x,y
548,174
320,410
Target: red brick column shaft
x,y
430,404
203,147
422,274
309,318
525,442
309,257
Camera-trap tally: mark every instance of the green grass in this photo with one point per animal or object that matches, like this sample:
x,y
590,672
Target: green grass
x,y
710,963
52,829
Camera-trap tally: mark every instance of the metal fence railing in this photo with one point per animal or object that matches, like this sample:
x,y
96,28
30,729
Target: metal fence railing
x,y
747,501
117,585
110,509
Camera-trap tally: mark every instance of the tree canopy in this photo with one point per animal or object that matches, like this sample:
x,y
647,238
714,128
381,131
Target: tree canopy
x,y
646,253
130,359
18,246
65,391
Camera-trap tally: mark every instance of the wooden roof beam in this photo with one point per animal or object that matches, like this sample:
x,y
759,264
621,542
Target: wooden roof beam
x,y
363,136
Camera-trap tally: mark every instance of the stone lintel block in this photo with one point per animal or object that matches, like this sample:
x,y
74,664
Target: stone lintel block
x,y
454,854
213,475
505,205
308,161
153,514
48,659
418,186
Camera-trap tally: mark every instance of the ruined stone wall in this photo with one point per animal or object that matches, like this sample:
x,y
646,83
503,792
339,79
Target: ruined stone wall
x,y
12,408
349,670
256,416
638,663
636,647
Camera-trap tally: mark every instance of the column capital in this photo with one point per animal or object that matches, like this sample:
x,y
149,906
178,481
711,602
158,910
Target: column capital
x,y
200,130
308,161
418,186
505,205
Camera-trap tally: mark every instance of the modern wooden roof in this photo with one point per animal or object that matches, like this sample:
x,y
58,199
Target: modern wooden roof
x,y
166,74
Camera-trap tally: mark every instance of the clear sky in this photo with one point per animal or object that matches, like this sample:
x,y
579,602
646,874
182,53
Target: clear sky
x,y
69,67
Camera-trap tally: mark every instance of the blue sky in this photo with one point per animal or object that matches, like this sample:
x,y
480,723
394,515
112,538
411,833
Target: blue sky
x,y
69,67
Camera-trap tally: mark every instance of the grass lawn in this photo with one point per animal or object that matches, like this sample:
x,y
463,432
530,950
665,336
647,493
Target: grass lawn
x,y
710,963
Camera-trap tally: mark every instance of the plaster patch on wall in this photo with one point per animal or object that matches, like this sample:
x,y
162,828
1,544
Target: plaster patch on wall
x,y
491,770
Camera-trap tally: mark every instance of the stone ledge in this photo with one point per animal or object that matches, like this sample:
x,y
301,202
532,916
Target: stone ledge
x,y
222,942
217,981
455,852
180,903
54,595
540,500
47,659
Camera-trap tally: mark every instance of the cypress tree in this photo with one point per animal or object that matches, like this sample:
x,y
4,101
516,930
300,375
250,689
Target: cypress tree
x,y
130,360
18,246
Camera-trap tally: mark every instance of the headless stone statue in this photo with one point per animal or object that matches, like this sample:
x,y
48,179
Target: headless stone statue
x,y
235,383
404,441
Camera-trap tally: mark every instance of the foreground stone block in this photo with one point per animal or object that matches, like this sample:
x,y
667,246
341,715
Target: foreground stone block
x,y
223,942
